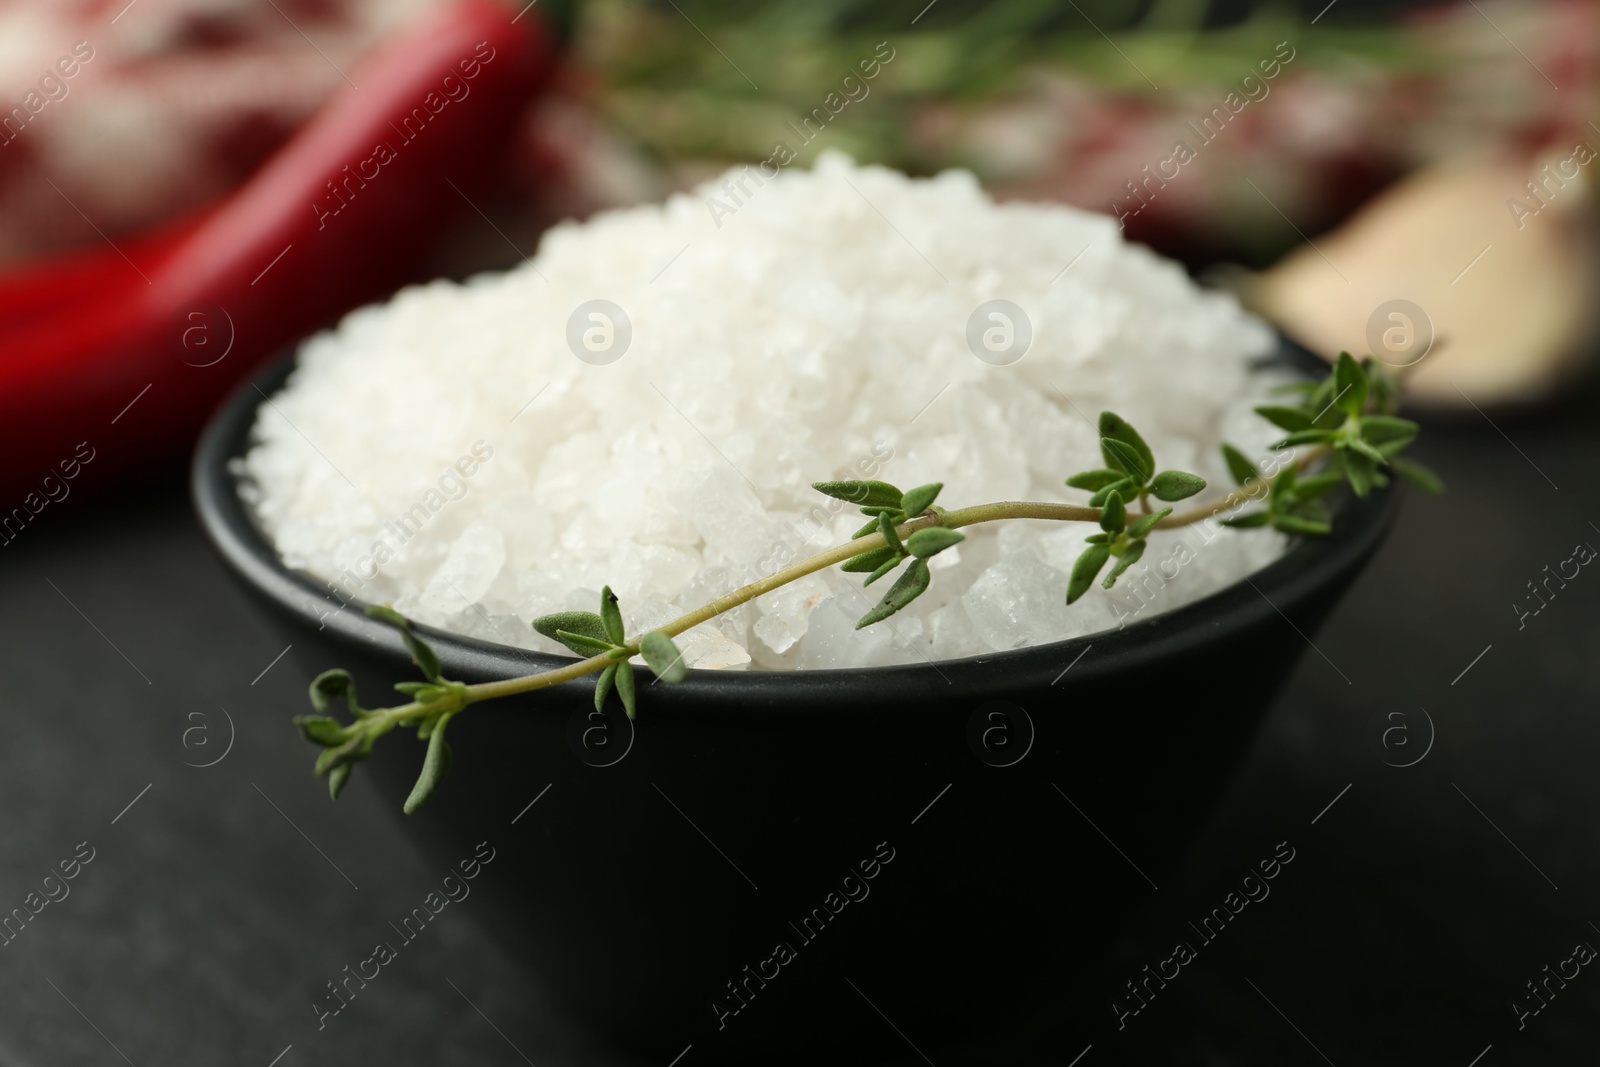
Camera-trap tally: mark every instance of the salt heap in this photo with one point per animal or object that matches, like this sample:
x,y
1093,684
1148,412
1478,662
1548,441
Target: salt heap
x,y
463,453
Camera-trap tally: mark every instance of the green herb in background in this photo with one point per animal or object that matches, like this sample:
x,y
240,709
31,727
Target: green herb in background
x,y
685,100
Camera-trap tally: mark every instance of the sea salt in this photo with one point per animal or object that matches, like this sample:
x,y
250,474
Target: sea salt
x,y
470,454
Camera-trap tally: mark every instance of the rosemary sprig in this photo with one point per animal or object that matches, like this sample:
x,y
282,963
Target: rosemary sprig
x,y
1346,422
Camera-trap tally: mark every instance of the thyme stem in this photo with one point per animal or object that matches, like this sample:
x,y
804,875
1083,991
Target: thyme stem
x,y
972,516
907,527
998,511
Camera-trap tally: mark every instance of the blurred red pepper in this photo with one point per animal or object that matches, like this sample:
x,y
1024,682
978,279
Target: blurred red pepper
x,y
39,289
131,359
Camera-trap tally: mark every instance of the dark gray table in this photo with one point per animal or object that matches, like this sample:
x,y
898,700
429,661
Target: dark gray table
x,y
221,899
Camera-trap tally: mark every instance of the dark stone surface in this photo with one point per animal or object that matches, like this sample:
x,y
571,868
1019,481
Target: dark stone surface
x,y
206,923
1408,923
1399,934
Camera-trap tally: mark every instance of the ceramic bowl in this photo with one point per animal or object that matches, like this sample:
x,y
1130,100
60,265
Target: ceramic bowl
x,y
820,865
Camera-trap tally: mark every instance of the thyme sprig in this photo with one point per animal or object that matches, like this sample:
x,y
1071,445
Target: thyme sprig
x,y
1345,423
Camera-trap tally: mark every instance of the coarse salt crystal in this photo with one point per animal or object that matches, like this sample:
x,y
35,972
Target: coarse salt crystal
x,y
480,454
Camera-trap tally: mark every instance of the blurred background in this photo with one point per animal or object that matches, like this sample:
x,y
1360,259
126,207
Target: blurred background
x,y
1410,179
1405,140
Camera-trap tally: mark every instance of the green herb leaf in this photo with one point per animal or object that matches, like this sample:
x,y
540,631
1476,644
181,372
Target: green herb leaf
x,y
603,684
625,689
883,568
1314,510
1239,465
330,686
1359,470
1306,437
890,537
1085,569
1128,559
335,757
582,644
1145,523
862,493
1291,419
663,657
1386,429
582,623
1248,521
1123,449
1350,385
1096,479
1123,489
1317,484
355,747
337,778
1418,475
321,729
870,560
1356,444
1176,485
611,616
1294,524
930,541
421,654
1099,539
1383,390
421,692
1282,487
871,527
435,765
1114,515
920,499
1320,400
909,586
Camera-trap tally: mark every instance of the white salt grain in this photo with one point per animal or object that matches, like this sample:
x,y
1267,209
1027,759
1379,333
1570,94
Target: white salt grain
x,y
450,453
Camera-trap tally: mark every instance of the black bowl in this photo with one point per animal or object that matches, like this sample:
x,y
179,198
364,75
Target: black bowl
x,y
797,864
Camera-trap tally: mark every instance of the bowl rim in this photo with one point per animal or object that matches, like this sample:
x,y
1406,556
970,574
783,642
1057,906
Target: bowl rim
x,y
1308,567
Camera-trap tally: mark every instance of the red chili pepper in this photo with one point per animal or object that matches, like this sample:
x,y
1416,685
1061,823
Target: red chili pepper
x,y
339,217
42,288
